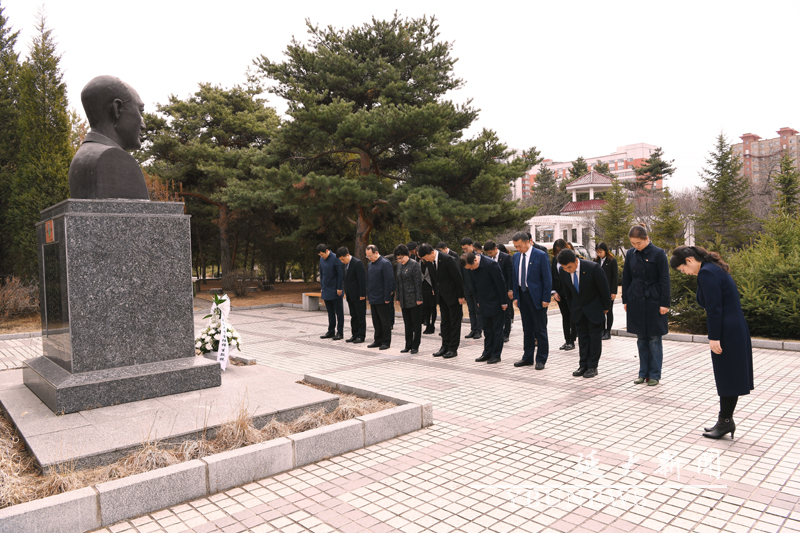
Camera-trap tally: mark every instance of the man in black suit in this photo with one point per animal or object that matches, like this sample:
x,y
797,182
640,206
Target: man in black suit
x,y
355,290
442,247
380,287
492,298
586,289
450,288
507,268
430,297
475,327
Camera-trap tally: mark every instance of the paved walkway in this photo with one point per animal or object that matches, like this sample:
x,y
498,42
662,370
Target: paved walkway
x,y
559,454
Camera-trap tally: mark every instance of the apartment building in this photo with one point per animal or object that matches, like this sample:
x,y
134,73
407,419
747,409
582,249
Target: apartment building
x,y
761,157
621,162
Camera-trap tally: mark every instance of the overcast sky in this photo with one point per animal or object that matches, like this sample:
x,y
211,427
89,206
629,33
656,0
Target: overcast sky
x,y
571,78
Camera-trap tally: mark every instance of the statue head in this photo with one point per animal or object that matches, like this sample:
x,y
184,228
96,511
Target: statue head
x,y
114,109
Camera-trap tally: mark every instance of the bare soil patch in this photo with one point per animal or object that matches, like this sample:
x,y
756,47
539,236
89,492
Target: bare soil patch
x,y
21,481
21,324
290,292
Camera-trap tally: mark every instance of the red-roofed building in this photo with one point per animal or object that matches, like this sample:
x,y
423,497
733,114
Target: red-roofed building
x,y
761,157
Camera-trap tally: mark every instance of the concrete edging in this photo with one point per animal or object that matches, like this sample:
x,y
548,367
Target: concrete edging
x,y
99,506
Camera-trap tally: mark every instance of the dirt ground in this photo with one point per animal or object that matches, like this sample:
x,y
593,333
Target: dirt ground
x,y
290,292
23,324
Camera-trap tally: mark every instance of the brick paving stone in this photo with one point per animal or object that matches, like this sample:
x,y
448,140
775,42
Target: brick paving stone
x,y
500,425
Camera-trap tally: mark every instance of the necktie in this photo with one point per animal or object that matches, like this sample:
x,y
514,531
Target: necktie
x,y
575,282
524,284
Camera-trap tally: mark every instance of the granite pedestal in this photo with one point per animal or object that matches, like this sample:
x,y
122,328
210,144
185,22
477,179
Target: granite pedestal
x,y
116,304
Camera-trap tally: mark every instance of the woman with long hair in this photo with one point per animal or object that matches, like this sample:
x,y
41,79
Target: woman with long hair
x,y
570,329
608,263
728,334
408,292
645,295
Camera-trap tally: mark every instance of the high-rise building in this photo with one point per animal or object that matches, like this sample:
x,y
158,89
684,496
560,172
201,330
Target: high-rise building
x,y
621,164
761,158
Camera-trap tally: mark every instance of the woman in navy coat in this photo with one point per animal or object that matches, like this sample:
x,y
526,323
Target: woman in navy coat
x,y
728,334
645,296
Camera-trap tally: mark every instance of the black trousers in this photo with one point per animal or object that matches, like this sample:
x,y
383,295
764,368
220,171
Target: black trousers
x,y
610,316
412,318
570,331
428,305
451,325
493,335
534,328
508,317
358,316
382,322
335,310
590,343
474,313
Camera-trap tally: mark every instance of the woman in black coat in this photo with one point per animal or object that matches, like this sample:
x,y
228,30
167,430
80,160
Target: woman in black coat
x,y
608,263
728,334
569,327
408,293
645,295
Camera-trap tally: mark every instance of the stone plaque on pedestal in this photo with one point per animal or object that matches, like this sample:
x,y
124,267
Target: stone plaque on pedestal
x,y
116,304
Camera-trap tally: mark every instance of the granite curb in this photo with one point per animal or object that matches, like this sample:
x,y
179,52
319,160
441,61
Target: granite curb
x,y
91,508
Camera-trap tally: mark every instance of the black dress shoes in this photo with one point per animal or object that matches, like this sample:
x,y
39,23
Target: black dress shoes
x,y
359,340
326,336
539,366
429,330
414,350
374,345
450,354
563,346
476,336
592,372
440,353
493,361
482,359
351,339
469,335
523,362
384,347
337,337
581,371
505,339
606,335
405,350
570,346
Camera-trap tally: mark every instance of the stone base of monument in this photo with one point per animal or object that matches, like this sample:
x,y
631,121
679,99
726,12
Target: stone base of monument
x,y
100,436
116,305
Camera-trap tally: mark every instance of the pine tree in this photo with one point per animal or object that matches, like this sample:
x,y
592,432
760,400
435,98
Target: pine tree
x,y
371,135
41,179
725,198
668,227
547,196
615,218
9,140
579,168
787,185
653,169
212,139
603,168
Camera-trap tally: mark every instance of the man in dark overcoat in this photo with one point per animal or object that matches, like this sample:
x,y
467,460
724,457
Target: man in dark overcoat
x,y
331,281
380,286
507,268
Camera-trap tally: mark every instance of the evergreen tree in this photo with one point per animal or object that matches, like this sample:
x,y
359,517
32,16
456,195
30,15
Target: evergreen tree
x,y
615,218
654,168
209,140
668,228
603,168
725,198
372,134
578,169
9,140
42,173
547,196
787,185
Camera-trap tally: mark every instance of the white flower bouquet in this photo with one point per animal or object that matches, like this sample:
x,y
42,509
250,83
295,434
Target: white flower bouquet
x,y
209,338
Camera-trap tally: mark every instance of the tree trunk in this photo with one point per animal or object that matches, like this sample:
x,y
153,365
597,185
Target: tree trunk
x,y
363,229
224,249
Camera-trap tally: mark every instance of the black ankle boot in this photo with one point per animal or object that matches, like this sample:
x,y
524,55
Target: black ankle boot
x,y
707,430
723,427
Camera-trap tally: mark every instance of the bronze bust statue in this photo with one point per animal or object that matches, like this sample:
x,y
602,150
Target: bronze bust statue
x,y
102,168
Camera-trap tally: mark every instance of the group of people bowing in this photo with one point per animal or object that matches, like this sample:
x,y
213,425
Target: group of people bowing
x,y
493,282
